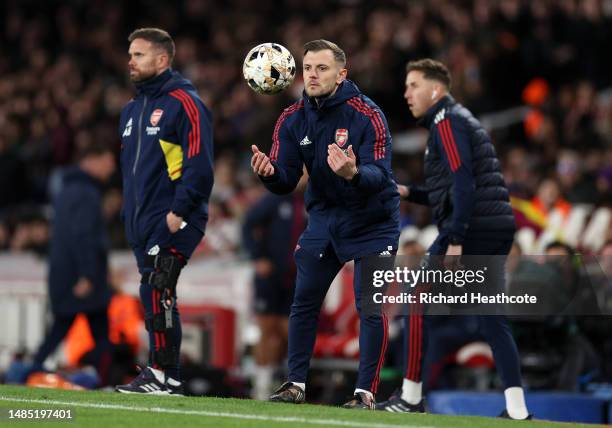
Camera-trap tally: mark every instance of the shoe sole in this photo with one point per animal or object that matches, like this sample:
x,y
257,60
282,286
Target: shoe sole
x,y
272,400
122,391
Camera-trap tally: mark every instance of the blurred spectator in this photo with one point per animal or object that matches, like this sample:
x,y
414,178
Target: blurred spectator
x,y
270,234
78,266
549,198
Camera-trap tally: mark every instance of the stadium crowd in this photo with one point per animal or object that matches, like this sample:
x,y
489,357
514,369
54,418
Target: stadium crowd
x,y
63,81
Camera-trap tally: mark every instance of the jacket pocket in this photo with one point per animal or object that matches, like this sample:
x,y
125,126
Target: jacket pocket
x,y
161,235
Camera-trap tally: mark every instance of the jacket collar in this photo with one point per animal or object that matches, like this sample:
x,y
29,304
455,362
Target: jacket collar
x,y
346,90
153,85
426,120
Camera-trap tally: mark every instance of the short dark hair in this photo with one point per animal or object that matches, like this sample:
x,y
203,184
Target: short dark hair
x,y
93,150
158,37
431,69
321,45
559,244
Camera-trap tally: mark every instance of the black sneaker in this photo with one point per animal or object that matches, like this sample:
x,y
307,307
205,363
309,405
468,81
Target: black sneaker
x,y
288,393
360,400
145,383
176,390
505,415
396,404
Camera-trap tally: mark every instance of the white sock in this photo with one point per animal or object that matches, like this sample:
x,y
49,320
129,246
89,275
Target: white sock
x,y
515,403
411,391
365,391
262,382
301,385
159,375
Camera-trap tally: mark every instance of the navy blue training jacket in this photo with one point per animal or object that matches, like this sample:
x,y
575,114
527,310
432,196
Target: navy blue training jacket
x,y
166,156
358,218
464,183
79,245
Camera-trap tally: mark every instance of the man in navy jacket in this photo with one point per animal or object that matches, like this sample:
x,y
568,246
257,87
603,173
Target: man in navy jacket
x,y
342,138
78,257
471,207
167,169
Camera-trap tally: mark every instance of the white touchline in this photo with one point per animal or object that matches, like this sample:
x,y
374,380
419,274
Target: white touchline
x,y
335,422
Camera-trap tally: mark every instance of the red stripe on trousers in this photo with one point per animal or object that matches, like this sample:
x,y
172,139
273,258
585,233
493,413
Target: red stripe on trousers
x,y
410,368
154,296
415,350
381,358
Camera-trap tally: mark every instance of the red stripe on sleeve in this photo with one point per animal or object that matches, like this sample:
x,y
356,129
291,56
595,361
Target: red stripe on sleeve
x,y
194,119
275,135
446,143
377,123
360,106
449,144
196,114
453,144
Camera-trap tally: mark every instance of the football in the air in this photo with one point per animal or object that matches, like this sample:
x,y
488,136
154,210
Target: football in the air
x,y
269,68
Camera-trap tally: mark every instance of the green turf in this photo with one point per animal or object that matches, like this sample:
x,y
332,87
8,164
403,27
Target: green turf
x,y
151,411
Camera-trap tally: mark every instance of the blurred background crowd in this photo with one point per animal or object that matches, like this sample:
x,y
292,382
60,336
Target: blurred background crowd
x,y
536,72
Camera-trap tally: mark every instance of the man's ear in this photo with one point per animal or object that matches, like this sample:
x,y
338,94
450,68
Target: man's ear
x,y
341,76
437,89
163,60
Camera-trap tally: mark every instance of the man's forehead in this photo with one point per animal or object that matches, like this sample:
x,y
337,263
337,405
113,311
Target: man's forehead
x,y
325,56
414,76
140,45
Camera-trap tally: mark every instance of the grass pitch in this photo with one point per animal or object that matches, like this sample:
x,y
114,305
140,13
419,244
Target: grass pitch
x,y
106,410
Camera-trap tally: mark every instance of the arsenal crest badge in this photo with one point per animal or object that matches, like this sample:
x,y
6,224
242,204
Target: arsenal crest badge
x,y
341,137
155,116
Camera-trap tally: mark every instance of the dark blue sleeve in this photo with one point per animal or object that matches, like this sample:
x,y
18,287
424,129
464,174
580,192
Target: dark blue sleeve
x,y
418,195
86,226
453,142
285,156
374,154
257,217
194,130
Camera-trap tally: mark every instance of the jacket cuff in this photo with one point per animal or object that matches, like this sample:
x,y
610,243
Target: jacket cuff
x,y
180,209
273,178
